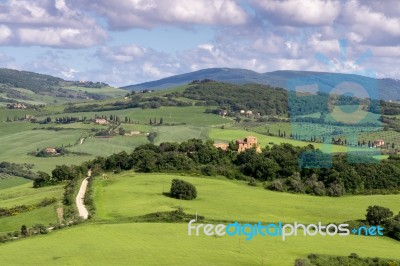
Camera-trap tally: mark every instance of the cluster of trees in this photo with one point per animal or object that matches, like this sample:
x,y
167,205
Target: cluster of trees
x,y
321,120
24,232
352,259
262,99
21,170
59,174
378,215
90,84
197,81
152,136
281,167
136,101
28,80
64,120
154,121
258,98
384,108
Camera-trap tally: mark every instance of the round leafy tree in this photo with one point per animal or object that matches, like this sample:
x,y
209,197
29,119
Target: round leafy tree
x,y
182,190
377,215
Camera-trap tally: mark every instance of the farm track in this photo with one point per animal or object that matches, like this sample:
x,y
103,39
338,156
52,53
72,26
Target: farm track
x,y
83,212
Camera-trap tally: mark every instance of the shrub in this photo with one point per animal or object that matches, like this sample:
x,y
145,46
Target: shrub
x,y
354,256
302,262
252,182
182,190
276,185
377,215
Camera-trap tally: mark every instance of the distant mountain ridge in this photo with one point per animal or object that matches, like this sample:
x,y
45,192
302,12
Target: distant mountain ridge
x,y
389,89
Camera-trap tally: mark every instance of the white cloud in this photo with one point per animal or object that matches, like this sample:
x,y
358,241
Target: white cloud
x,y
126,14
132,64
70,73
5,33
300,12
49,23
51,63
370,24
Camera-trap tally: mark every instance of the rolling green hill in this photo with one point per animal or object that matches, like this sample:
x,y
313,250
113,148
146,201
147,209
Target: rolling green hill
x,y
389,89
35,89
112,238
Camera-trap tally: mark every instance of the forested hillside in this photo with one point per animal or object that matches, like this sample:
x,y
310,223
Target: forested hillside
x,y
32,88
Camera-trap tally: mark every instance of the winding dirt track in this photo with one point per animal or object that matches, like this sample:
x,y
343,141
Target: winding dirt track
x,y
83,212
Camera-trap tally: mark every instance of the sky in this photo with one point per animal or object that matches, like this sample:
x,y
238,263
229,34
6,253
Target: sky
x,y
123,42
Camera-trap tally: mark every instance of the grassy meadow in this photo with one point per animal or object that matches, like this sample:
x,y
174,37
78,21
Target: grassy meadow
x,y
26,195
169,244
110,239
7,181
131,194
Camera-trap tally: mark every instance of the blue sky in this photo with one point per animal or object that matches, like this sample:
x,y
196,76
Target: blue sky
x,y
124,42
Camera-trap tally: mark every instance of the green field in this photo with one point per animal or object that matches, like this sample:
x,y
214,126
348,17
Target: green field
x,y
26,195
109,145
352,114
308,130
180,133
18,139
106,91
192,115
348,114
169,244
43,216
109,240
7,181
130,194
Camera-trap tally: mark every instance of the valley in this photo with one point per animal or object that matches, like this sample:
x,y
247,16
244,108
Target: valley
x,y
137,142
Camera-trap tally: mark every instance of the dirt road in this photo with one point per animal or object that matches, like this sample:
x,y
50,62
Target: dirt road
x,y
83,212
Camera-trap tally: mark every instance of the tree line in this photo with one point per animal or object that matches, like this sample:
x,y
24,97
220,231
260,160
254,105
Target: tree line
x,y
281,167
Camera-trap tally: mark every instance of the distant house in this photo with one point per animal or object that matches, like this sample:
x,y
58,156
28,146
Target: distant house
x,y
379,143
50,150
146,91
132,133
17,106
30,118
249,113
222,146
247,143
241,144
101,121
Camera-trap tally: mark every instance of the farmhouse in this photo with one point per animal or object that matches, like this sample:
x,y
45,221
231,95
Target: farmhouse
x,y
249,113
247,143
50,150
379,143
30,118
17,106
241,144
101,121
222,146
132,133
